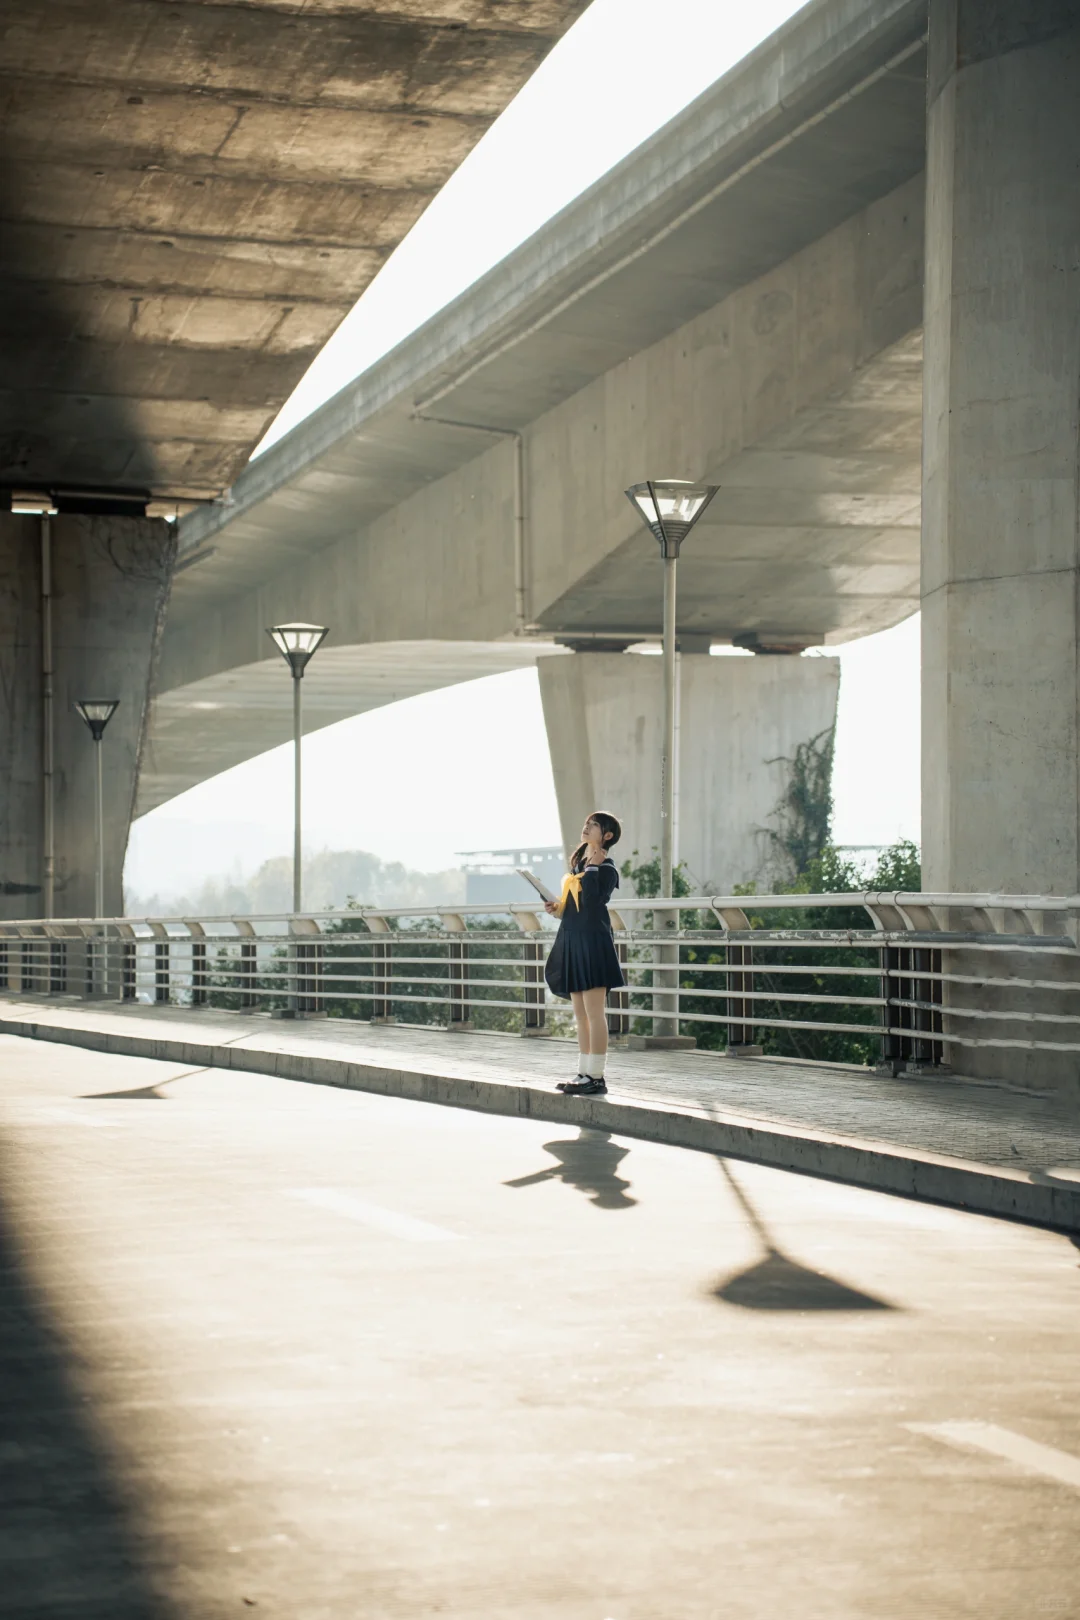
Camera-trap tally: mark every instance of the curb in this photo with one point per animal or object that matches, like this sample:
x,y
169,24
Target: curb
x,y
1034,1198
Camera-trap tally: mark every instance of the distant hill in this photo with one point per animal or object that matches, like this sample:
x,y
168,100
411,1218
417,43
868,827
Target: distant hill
x,y
331,879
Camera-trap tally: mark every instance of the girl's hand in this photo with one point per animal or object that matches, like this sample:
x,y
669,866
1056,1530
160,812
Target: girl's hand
x,y
551,907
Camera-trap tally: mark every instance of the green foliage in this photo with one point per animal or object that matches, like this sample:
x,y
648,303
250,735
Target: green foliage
x,y
830,872
645,876
419,968
898,868
803,816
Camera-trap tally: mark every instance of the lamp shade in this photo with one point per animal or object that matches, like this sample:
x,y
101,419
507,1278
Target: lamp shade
x,y
670,507
297,643
97,712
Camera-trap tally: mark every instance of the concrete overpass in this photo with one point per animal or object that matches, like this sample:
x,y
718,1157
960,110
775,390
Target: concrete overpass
x,y
741,299
196,194
193,195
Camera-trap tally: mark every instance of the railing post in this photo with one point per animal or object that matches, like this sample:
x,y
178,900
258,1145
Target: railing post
x,y
129,988
925,1053
162,967
200,996
460,1021
895,1046
740,1008
249,959
58,967
665,1035
533,955
618,1015
382,971
309,974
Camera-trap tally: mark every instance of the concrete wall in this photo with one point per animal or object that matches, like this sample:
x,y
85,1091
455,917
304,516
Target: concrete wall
x,y
1000,578
110,586
741,720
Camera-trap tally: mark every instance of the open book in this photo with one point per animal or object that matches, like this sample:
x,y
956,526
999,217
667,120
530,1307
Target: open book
x,y
541,888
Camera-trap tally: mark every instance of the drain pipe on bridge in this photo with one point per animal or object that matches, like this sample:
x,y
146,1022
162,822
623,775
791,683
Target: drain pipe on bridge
x,y
48,805
521,610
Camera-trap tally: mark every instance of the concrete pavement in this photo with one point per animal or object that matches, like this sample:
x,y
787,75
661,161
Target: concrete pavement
x,y
308,1353
974,1146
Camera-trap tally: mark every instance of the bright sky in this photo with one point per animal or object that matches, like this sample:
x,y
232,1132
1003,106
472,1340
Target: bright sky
x,y
378,782
621,73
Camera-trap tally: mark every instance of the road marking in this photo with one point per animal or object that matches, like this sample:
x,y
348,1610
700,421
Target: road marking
x,y
1015,1448
340,1202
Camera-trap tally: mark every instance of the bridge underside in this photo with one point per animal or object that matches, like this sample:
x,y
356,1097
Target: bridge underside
x,y
195,194
812,538
213,724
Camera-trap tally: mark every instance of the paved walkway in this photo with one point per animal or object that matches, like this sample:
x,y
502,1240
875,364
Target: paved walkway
x,y
298,1352
1023,1138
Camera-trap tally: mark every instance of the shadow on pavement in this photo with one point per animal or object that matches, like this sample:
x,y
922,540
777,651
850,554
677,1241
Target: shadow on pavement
x,y
588,1162
142,1094
139,1093
69,1541
778,1283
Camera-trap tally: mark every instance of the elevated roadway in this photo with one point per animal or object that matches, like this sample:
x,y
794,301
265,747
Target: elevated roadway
x,y
739,300
193,194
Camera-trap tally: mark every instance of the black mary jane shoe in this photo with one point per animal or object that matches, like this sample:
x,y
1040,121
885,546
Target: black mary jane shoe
x,y
585,1087
562,1085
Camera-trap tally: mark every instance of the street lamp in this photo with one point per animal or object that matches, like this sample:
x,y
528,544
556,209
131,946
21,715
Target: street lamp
x,y
669,507
97,712
297,644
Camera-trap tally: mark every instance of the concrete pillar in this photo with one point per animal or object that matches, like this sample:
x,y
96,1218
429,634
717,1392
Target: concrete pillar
x,y
1001,672
740,720
110,587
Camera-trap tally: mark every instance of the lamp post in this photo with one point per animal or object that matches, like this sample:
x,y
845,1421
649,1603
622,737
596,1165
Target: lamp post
x,y
669,507
297,644
97,712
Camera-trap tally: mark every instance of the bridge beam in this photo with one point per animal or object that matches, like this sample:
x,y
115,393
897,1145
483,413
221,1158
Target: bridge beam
x,y
109,586
741,721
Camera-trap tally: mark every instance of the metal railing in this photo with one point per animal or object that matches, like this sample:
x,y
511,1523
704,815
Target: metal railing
x,y
906,975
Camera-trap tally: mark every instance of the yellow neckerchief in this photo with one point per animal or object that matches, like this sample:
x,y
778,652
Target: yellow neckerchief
x,y
571,885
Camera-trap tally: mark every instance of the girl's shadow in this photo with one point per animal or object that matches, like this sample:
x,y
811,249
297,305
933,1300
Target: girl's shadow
x,y
588,1162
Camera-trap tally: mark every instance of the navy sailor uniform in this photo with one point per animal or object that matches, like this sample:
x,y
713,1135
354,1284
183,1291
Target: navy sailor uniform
x,y
583,956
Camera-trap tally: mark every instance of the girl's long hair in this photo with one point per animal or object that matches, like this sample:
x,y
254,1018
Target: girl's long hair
x,y
608,824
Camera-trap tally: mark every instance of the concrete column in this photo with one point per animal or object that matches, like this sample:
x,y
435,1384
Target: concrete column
x,y
110,587
1001,466
740,720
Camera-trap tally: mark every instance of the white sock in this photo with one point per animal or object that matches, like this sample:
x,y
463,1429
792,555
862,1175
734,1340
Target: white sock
x,y
583,1063
594,1065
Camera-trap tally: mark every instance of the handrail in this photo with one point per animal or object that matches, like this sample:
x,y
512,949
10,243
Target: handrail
x,y
868,899
912,977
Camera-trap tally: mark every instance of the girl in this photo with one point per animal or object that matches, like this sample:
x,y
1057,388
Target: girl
x,y
582,964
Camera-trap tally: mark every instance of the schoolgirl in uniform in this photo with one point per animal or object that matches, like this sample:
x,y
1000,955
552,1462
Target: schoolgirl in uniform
x,y
583,965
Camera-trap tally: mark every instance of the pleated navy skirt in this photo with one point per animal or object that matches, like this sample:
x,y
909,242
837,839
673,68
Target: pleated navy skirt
x,y
583,956
583,959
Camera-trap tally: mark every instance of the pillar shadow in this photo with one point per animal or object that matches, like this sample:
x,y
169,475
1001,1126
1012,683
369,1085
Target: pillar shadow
x,y
778,1283
588,1162
70,1540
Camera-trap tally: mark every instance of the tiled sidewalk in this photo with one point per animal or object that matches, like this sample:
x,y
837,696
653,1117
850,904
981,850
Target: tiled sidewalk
x,y
979,1124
